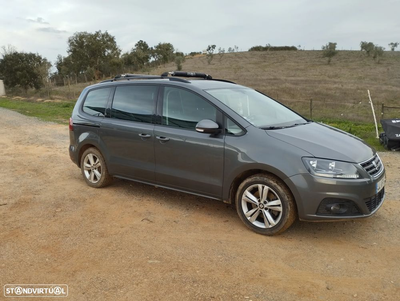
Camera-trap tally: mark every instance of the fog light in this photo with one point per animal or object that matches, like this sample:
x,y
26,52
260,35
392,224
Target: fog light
x,y
338,208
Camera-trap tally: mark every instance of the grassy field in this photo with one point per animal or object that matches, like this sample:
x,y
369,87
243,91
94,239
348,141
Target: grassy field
x,y
338,91
49,111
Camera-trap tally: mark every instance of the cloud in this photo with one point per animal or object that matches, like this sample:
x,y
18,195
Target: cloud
x,y
38,20
51,30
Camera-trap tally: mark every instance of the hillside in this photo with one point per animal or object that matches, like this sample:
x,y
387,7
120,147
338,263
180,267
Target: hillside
x,y
338,90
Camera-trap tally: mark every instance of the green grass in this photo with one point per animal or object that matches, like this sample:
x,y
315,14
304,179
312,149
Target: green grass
x,y
365,131
48,111
61,111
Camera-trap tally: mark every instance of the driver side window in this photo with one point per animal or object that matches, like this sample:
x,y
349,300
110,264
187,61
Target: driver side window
x,y
184,109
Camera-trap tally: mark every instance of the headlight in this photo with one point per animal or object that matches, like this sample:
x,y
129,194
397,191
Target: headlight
x,y
331,168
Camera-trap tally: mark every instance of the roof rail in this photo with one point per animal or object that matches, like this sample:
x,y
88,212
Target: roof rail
x,y
172,76
187,74
132,76
194,74
141,76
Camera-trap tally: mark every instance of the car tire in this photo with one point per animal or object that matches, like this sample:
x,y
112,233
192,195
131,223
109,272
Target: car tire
x,y
94,169
265,204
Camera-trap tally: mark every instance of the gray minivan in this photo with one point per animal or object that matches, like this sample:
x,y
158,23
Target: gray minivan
x,y
224,141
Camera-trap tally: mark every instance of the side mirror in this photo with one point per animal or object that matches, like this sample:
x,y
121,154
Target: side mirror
x,y
207,126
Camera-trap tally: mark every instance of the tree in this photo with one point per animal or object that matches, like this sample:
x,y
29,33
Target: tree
x,y
329,51
9,49
368,47
26,70
92,50
64,66
375,50
138,57
163,53
393,45
142,53
210,53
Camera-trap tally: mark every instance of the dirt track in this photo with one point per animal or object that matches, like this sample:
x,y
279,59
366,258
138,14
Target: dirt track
x,y
134,242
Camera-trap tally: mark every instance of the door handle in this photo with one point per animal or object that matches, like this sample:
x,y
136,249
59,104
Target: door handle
x,y
144,135
163,139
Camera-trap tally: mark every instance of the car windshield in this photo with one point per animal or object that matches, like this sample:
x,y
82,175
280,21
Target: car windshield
x,y
257,108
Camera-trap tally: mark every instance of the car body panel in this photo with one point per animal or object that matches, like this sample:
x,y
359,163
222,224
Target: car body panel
x,y
324,142
199,168
130,148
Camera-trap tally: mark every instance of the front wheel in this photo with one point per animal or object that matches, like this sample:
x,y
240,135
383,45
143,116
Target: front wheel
x,y
94,168
265,204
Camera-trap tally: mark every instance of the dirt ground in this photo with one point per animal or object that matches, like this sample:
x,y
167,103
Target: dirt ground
x,y
134,242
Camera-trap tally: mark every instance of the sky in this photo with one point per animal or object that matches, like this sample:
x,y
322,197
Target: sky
x,y
44,27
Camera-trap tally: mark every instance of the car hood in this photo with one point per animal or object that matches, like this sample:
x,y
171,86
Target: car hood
x,y
323,141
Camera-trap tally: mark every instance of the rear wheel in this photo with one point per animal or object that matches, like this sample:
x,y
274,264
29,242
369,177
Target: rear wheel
x,y
94,169
265,204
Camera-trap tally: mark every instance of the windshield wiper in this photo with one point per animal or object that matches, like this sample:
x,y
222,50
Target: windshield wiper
x,y
283,127
273,128
296,124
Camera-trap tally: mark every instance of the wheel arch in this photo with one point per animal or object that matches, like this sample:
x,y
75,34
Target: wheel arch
x,y
83,148
235,183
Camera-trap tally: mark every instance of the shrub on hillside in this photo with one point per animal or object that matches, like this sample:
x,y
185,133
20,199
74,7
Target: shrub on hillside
x,y
329,51
268,47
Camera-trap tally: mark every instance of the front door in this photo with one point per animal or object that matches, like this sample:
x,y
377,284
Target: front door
x,y
185,159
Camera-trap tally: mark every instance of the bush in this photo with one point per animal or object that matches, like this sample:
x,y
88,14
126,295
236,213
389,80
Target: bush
x,y
210,53
368,47
268,47
377,53
329,51
179,60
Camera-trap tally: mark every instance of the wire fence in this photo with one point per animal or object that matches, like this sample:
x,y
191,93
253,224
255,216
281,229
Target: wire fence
x,y
356,112
390,112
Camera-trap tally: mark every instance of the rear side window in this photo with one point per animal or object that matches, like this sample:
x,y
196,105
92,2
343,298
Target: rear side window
x,y
96,102
134,103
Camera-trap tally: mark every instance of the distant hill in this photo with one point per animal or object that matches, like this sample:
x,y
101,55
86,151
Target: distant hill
x,y
292,76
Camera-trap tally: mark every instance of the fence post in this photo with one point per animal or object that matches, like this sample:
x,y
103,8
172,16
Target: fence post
x,y
383,111
311,108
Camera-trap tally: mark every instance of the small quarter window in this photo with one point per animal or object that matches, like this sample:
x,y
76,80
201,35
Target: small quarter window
x,y
232,128
96,102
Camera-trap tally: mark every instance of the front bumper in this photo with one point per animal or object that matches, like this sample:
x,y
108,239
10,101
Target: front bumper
x,y
315,195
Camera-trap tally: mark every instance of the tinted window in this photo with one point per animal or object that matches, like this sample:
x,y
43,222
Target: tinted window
x,y
185,109
96,101
134,103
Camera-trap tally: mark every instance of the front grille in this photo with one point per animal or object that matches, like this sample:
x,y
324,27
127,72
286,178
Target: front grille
x,y
373,166
374,202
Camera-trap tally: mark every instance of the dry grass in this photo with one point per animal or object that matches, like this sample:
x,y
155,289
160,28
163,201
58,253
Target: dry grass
x,y
338,90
